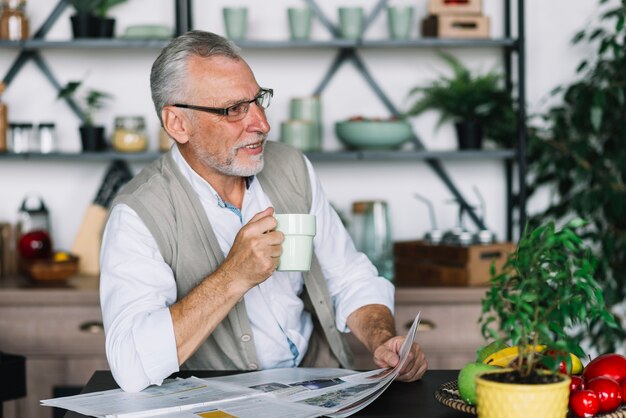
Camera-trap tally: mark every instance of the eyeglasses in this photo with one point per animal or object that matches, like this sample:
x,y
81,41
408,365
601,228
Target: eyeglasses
x,y
237,111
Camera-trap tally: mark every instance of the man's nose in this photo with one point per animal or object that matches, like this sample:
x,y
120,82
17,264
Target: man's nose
x,y
257,119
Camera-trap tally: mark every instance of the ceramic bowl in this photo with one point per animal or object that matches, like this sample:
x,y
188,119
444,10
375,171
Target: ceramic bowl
x,y
371,134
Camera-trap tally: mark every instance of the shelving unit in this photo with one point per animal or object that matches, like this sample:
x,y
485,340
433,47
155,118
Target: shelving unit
x,y
347,51
313,156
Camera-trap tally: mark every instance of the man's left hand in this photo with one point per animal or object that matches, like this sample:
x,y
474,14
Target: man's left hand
x,y
387,355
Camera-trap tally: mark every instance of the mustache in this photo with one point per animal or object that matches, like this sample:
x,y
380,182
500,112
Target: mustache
x,y
261,137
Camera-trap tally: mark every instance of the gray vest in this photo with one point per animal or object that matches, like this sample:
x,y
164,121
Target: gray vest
x,y
170,208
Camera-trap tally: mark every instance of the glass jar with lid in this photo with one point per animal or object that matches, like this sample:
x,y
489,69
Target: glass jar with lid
x,y
13,20
130,134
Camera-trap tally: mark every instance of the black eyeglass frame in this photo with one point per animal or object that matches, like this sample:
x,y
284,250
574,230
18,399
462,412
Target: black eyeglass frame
x,y
224,111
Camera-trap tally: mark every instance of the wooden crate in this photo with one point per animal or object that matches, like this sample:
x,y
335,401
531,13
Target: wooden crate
x,y
455,7
421,264
465,27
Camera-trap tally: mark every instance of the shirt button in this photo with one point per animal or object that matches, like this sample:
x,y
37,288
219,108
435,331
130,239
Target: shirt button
x,y
252,366
245,338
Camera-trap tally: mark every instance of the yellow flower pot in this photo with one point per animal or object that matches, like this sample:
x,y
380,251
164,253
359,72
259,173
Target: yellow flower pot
x,y
498,400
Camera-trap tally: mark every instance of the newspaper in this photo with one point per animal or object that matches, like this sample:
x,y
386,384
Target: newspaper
x,y
279,393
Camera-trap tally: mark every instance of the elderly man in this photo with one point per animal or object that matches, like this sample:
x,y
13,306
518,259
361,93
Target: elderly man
x,y
190,251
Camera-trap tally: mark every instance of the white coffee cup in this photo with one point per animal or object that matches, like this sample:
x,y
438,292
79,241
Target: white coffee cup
x,y
299,230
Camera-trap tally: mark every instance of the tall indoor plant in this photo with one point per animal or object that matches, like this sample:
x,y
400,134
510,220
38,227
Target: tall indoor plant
x,y
577,150
92,136
546,287
478,104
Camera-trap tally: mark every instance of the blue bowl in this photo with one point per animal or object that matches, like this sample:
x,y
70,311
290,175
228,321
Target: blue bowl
x,y
373,134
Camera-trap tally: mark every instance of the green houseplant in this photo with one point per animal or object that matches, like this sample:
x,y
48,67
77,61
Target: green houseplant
x,y
546,287
91,18
91,101
477,104
576,150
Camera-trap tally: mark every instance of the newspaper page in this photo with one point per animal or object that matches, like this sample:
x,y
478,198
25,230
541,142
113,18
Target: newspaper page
x,y
288,393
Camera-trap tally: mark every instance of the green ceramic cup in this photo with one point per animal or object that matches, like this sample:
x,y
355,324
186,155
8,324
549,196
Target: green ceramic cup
x,y
299,230
309,108
300,23
351,22
301,134
236,22
400,21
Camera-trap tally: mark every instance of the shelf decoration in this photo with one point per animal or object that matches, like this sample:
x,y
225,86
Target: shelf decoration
x,y
455,19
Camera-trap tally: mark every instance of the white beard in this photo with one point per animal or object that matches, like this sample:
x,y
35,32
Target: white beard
x,y
229,166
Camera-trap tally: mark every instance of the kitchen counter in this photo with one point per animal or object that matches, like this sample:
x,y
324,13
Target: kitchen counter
x,y
20,291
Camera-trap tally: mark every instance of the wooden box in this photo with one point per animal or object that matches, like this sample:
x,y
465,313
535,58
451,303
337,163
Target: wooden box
x,y
418,263
467,27
455,7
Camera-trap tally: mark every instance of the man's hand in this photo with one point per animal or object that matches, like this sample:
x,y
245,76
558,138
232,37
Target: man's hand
x,y
387,355
256,251
373,325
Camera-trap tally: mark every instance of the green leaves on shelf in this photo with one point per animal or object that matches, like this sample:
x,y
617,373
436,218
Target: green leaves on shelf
x,y
91,100
465,96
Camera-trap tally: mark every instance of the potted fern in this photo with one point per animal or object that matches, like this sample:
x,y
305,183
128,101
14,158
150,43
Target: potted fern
x,y
478,104
546,287
91,101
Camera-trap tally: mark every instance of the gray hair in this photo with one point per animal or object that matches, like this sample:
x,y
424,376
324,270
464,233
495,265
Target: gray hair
x,y
169,70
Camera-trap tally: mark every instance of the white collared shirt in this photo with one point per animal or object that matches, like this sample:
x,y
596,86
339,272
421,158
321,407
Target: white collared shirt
x,y
137,286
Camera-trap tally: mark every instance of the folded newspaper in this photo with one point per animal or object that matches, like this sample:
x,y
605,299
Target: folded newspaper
x,y
279,393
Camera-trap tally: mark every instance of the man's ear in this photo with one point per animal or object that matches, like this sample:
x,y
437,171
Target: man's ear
x,y
176,124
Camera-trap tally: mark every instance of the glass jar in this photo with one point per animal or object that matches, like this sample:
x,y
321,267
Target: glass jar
x,y
13,21
371,233
20,135
46,138
130,134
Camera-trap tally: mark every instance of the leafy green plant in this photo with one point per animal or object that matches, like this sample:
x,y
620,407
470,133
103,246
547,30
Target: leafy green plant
x,y
546,287
85,6
105,5
465,96
91,100
96,7
576,149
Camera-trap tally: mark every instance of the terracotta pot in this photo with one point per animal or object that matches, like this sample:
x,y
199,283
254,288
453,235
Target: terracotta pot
x,y
497,400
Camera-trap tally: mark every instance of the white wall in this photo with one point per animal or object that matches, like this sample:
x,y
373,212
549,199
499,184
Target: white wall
x,y
68,187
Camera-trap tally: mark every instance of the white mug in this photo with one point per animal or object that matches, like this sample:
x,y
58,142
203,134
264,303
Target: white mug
x,y
299,230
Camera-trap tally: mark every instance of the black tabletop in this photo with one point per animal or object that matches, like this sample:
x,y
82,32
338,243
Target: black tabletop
x,y
416,399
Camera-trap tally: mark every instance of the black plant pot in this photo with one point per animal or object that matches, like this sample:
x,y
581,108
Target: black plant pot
x,y
85,25
469,134
106,27
92,138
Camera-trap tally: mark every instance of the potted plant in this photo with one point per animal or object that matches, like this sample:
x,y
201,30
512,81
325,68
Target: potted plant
x,y
106,24
546,287
477,104
91,20
576,151
92,136
84,22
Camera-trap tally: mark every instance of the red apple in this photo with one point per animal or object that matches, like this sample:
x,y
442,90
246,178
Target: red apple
x,y
576,383
584,403
609,392
35,244
609,365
